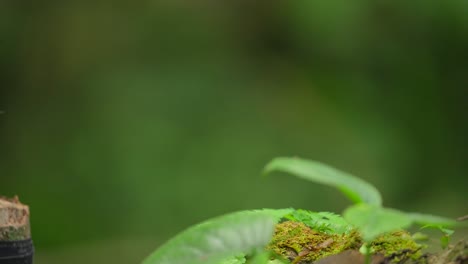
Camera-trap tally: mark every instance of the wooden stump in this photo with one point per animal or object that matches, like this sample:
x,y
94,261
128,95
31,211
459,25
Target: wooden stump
x,y
14,220
16,246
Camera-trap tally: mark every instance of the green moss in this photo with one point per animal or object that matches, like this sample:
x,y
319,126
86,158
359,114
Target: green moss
x,y
10,233
298,242
397,246
301,244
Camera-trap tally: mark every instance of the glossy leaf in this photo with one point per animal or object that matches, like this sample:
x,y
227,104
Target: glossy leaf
x,y
217,239
356,189
433,220
374,220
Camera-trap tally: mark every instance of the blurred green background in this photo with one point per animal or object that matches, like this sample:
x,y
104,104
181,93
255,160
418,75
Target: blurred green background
x,y
123,122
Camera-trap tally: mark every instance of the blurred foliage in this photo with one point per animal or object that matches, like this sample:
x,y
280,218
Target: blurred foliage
x,y
130,120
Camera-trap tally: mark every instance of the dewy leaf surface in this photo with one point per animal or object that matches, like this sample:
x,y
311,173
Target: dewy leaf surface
x,y
219,238
356,189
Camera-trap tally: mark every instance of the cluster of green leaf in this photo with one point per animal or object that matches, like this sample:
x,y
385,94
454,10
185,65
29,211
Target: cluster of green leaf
x,y
241,237
326,222
367,214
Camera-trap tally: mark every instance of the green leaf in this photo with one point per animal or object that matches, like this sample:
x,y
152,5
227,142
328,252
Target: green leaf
x,y
445,238
446,231
261,258
321,221
444,241
418,236
276,261
217,239
356,189
433,220
373,221
234,260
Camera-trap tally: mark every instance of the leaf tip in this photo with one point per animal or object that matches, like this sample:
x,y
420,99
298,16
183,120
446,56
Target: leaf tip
x,y
271,166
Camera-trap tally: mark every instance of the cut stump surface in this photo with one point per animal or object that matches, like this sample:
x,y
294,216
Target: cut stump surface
x,y
14,220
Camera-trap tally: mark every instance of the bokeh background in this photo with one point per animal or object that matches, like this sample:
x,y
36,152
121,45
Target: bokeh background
x,y
123,122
